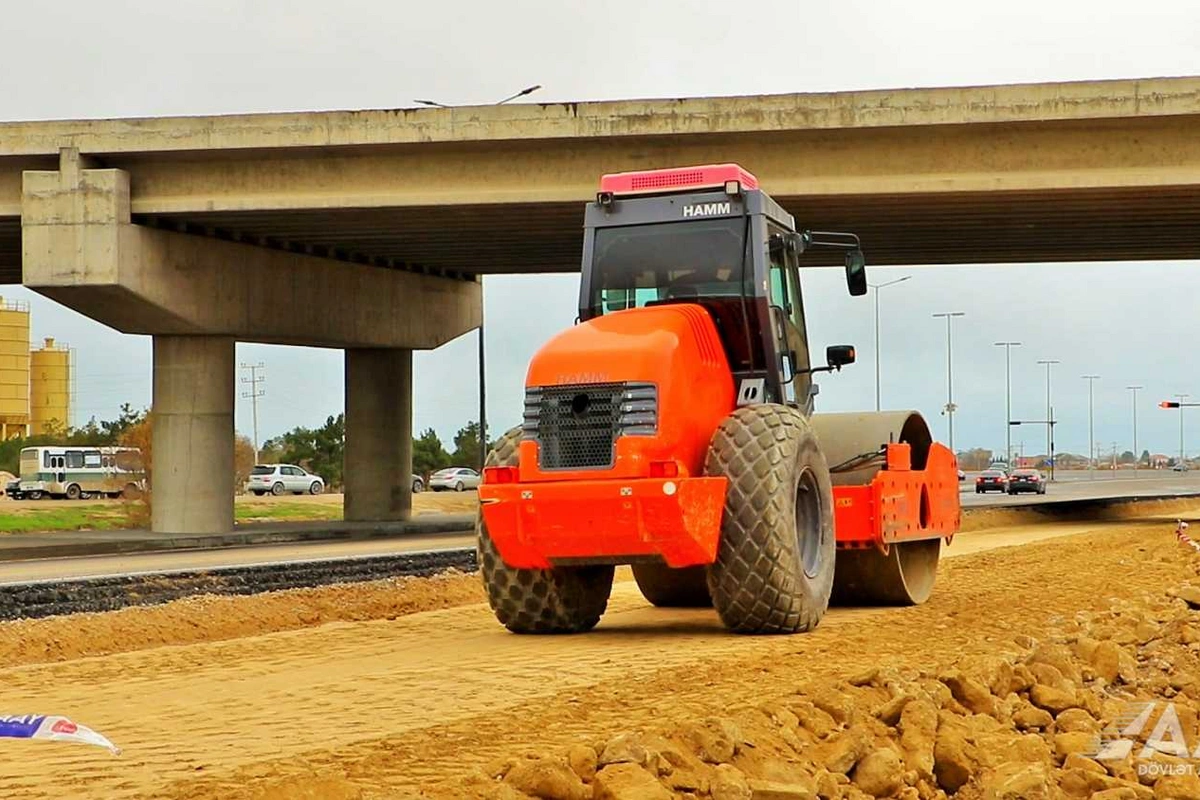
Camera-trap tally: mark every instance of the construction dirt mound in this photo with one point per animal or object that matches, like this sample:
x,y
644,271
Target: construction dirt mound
x,y
1055,717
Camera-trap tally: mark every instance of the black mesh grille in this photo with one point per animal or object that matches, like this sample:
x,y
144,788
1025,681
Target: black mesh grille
x,y
575,425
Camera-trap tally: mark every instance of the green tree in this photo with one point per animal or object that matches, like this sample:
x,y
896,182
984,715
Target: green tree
x,y
466,446
428,454
1145,457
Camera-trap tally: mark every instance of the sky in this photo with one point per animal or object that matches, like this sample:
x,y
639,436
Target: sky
x,y
1127,322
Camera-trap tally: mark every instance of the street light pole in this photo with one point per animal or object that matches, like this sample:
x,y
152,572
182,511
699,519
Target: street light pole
x,y
1008,346
949,315
877,287
1136,457
1049,415
1091,379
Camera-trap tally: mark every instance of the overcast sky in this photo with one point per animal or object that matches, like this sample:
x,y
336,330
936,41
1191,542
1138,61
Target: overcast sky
x,y
1128,323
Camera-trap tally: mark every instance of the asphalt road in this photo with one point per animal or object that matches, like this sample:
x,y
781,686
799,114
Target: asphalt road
x,y
1079,485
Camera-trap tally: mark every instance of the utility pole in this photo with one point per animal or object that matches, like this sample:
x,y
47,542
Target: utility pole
x,y
950,407
254,381
1091,379
1049,415
1136,456
1008,346
877,287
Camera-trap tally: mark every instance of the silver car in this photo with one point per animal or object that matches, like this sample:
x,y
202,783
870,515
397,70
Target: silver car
x,y
282,478
454,478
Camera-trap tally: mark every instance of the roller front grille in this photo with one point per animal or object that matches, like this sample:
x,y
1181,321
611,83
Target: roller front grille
x,y
576,426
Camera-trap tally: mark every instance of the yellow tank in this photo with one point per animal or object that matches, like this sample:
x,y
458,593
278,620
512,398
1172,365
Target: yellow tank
x,y
14,368
49,388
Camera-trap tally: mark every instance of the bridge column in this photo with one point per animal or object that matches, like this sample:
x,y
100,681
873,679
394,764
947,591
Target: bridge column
x,y
378,456
192,480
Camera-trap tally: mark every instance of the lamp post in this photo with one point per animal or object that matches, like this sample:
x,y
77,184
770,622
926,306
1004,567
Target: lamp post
x,y
877,287
522,93
950,408
1049,415
1008,346
1091,379
483,437
1136,457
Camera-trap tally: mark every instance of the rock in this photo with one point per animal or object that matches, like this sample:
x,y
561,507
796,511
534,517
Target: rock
x,y
546,779
1058,656
845,750
837,705
1127,668
828,785
1118,793
953,757
1079,761
918,730
814,720
974,696
889,712
582,761
1075,719
865,678
1177,787
1018,781
627,781
714,740
1029,718
1051,699
728,783
1022,679
1105,659
1189,594
624,748
992,671
771,790
1049,675
1082,742
879,772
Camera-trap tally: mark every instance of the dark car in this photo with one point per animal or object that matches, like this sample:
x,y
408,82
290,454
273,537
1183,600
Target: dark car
x,y
1026,480
991,480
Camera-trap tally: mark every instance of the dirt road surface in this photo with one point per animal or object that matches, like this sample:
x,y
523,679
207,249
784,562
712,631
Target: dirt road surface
x,y
417,704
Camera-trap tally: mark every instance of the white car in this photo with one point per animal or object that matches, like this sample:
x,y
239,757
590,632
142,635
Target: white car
x,y
282,478
457,479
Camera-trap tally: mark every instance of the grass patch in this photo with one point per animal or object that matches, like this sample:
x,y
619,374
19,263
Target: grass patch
x,y
269,511
86,518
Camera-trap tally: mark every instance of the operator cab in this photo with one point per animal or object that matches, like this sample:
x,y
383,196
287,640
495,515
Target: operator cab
x,y
709,236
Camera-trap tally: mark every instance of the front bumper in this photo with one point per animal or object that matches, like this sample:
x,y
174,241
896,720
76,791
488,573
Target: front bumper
x,y
540,525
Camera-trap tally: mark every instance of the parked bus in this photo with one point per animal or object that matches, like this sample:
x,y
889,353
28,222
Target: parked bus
x,y
79,473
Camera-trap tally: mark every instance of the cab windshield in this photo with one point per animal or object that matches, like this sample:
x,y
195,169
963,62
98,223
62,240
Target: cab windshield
x,y
639,265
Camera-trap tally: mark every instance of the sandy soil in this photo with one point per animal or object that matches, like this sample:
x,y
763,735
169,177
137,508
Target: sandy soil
x,y
255,697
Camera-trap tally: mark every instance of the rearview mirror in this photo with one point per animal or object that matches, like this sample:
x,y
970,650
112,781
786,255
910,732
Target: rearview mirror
x,y
856,272
839,355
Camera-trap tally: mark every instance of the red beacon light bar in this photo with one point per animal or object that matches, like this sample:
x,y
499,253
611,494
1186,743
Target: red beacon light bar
x,y
731,177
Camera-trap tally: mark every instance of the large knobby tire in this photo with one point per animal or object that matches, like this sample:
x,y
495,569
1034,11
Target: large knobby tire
x,y
558,600
673,588
775,563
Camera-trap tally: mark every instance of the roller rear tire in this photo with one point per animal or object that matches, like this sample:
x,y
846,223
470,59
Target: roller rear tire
x,y
558,600
673,588
775,563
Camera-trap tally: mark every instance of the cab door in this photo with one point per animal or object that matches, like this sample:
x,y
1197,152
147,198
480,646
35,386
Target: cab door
x,y
787,321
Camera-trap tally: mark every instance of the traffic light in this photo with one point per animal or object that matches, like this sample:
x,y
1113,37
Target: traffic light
x,y
1168,404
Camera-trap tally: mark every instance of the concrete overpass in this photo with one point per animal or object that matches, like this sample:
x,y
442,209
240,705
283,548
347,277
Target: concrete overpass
x,y
366,230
